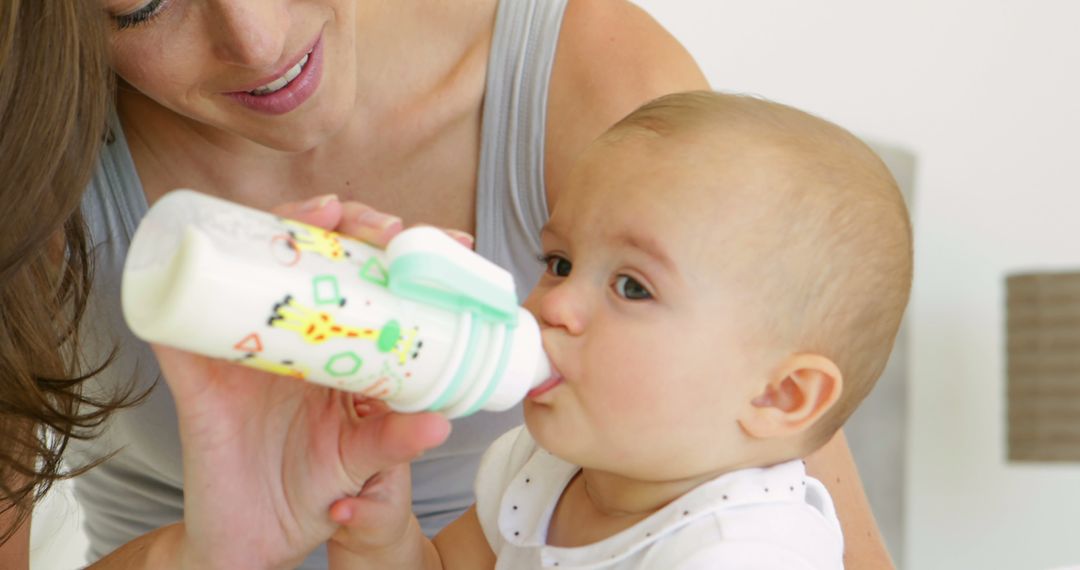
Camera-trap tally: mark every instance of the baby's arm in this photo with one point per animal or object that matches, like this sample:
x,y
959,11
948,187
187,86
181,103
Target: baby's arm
x,y
380,531
353,548
460,546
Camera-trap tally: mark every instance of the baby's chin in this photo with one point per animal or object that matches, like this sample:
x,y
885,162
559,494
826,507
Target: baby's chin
x,y
545,428
533,413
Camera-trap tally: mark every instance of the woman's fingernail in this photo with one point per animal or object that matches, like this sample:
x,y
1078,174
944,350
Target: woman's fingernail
x,y
317,202
463,238
375,219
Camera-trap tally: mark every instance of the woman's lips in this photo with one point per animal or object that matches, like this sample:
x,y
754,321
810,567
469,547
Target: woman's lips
x,y
548,385
299,90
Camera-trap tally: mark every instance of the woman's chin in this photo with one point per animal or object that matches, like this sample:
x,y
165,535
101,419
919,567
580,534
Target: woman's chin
x,y
294,136
291,141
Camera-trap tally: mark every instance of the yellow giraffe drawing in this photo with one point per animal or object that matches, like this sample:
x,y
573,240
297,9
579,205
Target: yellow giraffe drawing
x,y
317,327
283,368
315,240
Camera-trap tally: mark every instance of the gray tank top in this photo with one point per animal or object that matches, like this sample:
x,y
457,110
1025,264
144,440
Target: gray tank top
x,y
141,487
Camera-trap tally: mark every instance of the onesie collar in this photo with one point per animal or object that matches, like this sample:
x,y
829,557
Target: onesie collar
x,y
530,499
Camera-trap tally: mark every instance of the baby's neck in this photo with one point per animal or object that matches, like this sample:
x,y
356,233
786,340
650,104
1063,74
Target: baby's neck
x,y
596,505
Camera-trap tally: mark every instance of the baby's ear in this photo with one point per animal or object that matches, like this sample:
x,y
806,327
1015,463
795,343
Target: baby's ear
x,y
799,394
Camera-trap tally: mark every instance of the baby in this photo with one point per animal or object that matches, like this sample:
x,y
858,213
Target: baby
x,y
725,278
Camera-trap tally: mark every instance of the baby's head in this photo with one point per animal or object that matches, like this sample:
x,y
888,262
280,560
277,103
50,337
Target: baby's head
x,y
725,279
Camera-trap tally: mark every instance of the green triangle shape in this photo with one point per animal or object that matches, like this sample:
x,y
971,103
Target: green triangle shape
x,y
373,271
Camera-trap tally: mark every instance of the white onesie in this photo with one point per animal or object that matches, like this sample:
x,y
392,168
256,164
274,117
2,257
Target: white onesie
x,y
761,518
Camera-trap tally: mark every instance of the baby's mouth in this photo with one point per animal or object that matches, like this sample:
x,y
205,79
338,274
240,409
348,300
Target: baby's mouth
x,y
283,81
548,385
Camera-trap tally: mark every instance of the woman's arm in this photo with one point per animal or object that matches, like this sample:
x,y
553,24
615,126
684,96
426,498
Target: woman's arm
x,y
158,549
15,552
864,548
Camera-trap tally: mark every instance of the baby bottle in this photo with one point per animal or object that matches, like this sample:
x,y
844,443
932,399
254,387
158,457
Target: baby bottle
x,y
425,325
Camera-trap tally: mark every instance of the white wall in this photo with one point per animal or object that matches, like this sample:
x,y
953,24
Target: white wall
x,y
987,94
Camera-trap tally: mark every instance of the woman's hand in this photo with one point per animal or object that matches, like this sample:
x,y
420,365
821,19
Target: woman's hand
x,y
266,456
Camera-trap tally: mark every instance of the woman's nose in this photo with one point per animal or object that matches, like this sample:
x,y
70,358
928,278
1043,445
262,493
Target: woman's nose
x,y
250,33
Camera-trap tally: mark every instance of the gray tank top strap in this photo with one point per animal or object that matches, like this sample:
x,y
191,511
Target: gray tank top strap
x,y
115,189
511,203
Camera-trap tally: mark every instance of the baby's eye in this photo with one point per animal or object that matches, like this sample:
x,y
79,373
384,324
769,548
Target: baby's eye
x,y
557,265
629,288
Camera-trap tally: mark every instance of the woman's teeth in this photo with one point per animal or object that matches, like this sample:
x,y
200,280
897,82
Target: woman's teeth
x,y
281,82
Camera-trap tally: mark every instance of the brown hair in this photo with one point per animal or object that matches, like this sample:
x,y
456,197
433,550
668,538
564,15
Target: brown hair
x,y
55,87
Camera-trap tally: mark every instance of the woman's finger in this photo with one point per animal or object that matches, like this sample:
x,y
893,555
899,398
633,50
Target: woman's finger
x,y
365,407
461,237
322,211
354,219
368,224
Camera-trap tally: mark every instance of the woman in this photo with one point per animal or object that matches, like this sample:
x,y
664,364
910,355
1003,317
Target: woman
x,y
465,114
54,93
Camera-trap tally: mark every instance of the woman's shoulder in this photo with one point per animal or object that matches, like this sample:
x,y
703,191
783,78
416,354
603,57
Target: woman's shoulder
x,y
612,57
616,40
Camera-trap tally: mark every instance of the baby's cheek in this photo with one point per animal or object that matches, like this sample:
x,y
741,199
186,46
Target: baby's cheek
x,y
629,405
532,304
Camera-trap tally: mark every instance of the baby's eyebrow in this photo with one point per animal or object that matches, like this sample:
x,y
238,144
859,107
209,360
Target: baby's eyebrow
x,y
547,230
649,245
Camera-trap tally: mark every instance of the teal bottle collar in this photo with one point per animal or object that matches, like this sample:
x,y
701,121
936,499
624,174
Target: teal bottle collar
x,y
436,280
